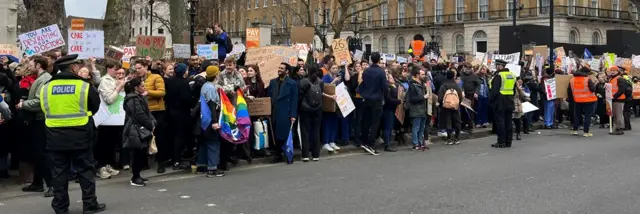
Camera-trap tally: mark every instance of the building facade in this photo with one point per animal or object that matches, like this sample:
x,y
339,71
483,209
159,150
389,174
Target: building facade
x,y
8,22
141,17
459,26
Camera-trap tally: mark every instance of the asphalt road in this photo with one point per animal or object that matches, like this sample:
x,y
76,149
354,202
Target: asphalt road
x,y
552,172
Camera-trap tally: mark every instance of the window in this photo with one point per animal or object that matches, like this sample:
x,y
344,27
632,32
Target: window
x,y
140,31
140,13
509,8
255,20
369,16
133,15
483,7
384,45
438,40
459,45
544,7
595,38
439,9
266,2
146,31
233,26
275,2
572,7
420,11
249,4
615,6
479,41
284,21
274,25
353,11
634,12
327,16
594,7
400,12
384,9
248,23
160,31
459,10
316,17
573,37
146,13
401,47
258,3
132,32
233,6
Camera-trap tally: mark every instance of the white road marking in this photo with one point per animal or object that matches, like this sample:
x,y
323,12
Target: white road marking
x,y
185,197
162,190
211,205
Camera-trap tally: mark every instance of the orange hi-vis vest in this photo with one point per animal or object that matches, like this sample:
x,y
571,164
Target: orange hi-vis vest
x,y
636,91
614,87
417,48
580,90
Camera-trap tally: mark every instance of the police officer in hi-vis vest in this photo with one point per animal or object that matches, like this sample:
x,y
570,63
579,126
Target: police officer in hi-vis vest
x,y
501,95
68,102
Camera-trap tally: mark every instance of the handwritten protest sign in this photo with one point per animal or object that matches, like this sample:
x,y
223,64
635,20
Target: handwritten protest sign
x,y
238,49
129,52
88,43
303,50
343,99
113,53
269,59
41,40
513,58
8,49
341,51
110,114
259,106
550,88
253,38
181,51
152,46
209,51
401,59
635,61
594,64
358,55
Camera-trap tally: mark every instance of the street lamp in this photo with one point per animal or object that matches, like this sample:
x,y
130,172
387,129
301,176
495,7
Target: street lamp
x,y
192,24
433,45
356,26
151,17
355,42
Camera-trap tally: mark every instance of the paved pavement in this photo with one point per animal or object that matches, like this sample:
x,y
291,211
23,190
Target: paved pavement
x,y
551,172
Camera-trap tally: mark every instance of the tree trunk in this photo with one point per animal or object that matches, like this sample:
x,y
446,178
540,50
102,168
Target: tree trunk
x,y
43,13
117,21
178,20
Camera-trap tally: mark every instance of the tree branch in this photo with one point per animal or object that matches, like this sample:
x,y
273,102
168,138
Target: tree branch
x,y
164,22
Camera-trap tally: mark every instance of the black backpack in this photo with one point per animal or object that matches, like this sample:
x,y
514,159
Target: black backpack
x,y
312,101
229,44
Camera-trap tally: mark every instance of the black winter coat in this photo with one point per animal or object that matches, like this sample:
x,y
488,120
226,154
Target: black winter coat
x,y
138,116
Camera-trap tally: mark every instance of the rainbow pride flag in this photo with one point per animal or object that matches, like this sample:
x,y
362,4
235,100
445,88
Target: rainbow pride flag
x,y
234,121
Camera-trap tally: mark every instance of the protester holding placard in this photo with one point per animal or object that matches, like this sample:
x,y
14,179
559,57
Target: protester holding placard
x,y
389,110
549,105
220,37
332,120
109,135
620,88
518,121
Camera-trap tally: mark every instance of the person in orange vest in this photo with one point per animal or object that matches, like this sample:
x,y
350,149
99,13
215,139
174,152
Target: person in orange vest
x,y
582,92
636,96
417,48
620,89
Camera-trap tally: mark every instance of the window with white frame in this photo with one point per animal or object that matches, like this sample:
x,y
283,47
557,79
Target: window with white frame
x,y
233,6
400,12
634,12
275,2
572,7
483,8
573,37
439,10
544,7
369,18
233,26
258,3
509,8
284,21
255,20
353,10
438,39
249,4
248,23
384,45
459,10
384,9
595,38
400,44
420,11
615,6
266,2
274,24
316,18
594,5
459,43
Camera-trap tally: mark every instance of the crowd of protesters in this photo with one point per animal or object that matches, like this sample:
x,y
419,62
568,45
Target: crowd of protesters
x,y
167,98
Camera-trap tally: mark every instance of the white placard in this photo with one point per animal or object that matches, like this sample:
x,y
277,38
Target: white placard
x,y
513,58
42,40
238,49
635,61
550,88
181,51
343,99
358,55
401,59
128,53
110,115
86,43
515,69
388,57
528,107
208,51
303,50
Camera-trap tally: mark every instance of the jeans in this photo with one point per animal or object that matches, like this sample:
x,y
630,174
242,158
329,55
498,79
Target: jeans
x,y
586,109
549,110
209,153
372,112
417,132
388,121
483,110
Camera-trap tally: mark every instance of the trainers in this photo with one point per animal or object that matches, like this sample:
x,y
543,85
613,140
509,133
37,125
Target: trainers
x,y
103,173
137,182
112,171
448,142
33,188
587,135
456,142
305,159
49,192
328,148
366,148
334,146
215,173
371,150
375,152
427,142
442,134
574,133
316,159
126,167
416,148
379,141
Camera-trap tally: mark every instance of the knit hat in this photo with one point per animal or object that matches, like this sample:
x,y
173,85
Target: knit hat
x,y
212,71
180,69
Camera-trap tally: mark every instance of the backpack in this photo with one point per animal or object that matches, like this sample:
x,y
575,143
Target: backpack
x,y
313,99
451,99
228,44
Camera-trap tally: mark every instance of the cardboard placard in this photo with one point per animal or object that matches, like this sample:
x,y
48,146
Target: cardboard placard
x,y
302,35
88,43
341,51
41,40
129,52
77,24
253,38
562,85
259,106
329,105
400,111
152,46
113,53
181,51
8,49
542,50
269,59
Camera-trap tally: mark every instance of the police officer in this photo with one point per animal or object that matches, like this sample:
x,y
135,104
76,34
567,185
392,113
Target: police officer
x,y
68,103
501,101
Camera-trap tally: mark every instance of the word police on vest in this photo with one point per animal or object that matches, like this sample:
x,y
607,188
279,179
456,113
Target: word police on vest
x,y
63,89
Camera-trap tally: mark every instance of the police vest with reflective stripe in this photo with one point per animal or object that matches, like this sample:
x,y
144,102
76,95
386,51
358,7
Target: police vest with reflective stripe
x,y
508,83
580,90
64,103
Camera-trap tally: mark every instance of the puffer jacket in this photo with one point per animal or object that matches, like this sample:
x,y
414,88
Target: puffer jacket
x,y
416,103
155,86
137,116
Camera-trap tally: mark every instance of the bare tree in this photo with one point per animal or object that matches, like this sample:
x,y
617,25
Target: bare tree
x,y
43,13
305,11
176,21
117,22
